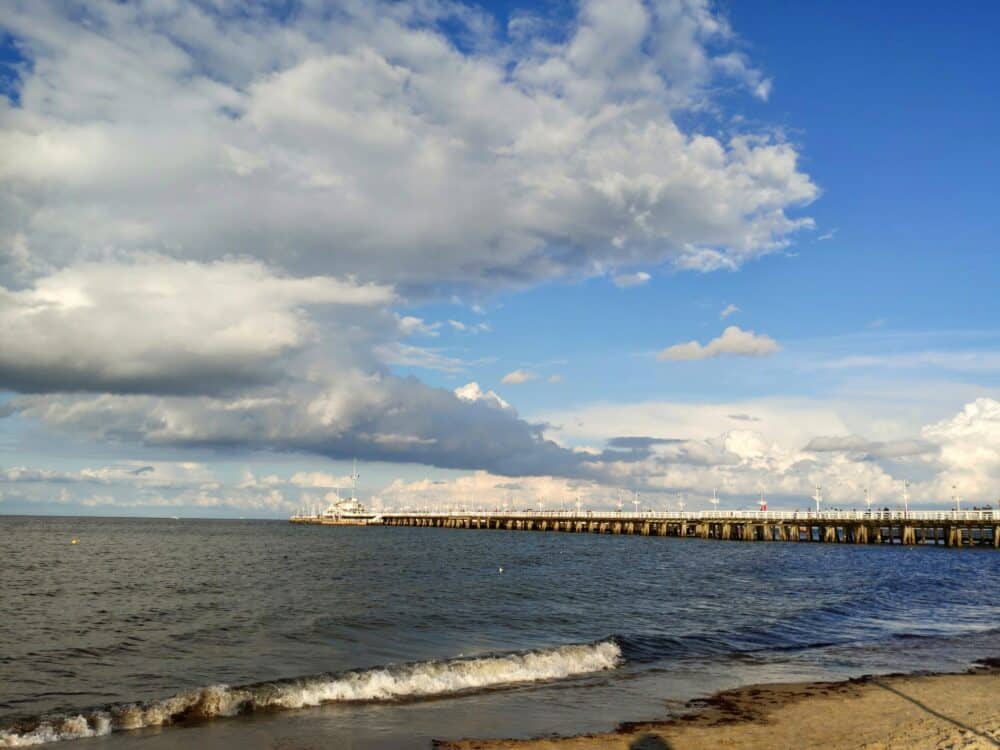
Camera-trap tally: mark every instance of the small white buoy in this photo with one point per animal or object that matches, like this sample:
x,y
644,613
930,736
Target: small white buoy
x,y
501,569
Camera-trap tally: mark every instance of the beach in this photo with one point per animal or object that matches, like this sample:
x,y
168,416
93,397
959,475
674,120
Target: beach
x,y
871,713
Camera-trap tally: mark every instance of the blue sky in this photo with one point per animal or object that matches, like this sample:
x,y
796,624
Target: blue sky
x,y
888,106
858,138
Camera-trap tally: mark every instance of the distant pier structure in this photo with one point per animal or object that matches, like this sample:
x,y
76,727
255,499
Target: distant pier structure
x,y
970,528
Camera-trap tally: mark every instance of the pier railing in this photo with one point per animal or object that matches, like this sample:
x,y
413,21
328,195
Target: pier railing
x,y
953,528
761,516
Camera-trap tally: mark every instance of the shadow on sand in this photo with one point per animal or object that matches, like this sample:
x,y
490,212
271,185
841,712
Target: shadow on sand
x,y
649,742
932,712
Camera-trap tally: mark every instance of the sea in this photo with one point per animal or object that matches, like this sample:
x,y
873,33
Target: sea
x,y
164,633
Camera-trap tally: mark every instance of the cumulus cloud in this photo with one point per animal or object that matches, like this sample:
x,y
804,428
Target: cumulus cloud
x,y
368,142
734,341
516,377
629,280
300,178
350,413
484,490
472,392
739,462
969,445
163,326
727,311
163,486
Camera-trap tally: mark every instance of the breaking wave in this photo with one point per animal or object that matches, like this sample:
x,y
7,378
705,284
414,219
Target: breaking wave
x,y
405,681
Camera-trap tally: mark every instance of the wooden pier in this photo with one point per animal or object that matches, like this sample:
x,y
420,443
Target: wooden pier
x,y
974,528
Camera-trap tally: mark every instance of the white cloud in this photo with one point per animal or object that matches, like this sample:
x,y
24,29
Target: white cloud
x,y
556,378
969,450
458,325
484,490
791,422
319,480
734,341
687,448
160,325
410,325
426,358
234,286
472,392
347,412
692,449
629,280
499,163
516,377
727,311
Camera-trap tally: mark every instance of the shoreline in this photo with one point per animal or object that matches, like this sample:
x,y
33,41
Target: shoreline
x,y
892,712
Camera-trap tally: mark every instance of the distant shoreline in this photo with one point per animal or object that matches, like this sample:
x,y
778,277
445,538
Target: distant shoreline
x,y
954,710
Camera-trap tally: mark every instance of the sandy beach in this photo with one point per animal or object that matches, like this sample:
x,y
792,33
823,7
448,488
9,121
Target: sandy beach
x,y
874,713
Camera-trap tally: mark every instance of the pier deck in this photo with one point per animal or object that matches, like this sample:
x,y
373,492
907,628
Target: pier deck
x,y
974,528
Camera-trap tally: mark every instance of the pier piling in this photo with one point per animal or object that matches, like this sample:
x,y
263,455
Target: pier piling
x,y
978,528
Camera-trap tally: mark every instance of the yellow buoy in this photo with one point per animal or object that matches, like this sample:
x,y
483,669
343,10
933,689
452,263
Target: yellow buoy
x,y
75,541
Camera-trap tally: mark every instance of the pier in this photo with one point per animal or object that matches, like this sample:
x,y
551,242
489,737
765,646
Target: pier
x,y
972,528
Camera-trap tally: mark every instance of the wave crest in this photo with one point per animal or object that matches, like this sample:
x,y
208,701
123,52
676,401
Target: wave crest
x,y
417,680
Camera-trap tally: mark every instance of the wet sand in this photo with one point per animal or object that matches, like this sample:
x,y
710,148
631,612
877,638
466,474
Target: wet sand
x,y
875,713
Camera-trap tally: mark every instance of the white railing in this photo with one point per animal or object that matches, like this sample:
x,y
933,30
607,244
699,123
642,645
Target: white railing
x,y
709,515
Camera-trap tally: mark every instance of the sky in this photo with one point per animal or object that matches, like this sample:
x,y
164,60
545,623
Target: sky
x,y
502,254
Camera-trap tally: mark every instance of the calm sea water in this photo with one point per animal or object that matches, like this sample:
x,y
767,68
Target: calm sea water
x,y
401,635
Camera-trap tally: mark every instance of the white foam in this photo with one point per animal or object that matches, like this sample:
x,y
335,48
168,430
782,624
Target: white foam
x,y
434,678
73,727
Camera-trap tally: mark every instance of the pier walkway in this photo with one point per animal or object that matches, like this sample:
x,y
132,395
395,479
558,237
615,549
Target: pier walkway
x,y
969,528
